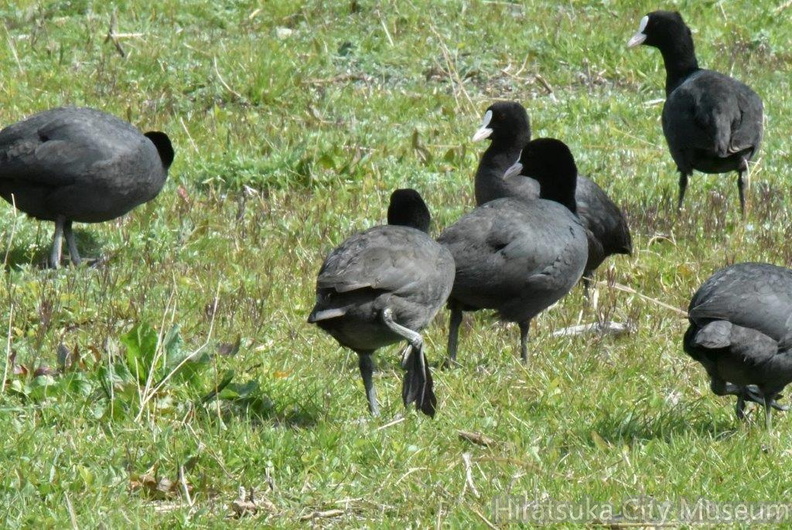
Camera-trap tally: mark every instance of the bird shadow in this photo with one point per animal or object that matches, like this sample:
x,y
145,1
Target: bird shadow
x,y
37,255
632,426
262,411
265,403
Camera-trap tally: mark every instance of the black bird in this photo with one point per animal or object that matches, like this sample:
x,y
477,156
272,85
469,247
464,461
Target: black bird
x,y
383,286
741,332
519,256
508,128
79,164
712,122
506,124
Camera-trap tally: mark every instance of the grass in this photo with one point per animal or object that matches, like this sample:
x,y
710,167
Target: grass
x,y
293,122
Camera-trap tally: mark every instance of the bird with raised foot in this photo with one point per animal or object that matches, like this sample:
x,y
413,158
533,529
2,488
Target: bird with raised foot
x,y
515,256
741,332
507,126
383,286
712,122
79,164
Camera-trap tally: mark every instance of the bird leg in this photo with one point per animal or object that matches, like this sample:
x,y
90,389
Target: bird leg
x,y
739,408
743,184
413,337
417,384
683,182
770,402
366,365
524,327
453,333
57,238
72,244
768,416
720,387
741,191
745,394
752,393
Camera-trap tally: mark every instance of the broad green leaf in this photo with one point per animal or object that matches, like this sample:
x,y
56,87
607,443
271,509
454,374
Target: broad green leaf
x,y
141,344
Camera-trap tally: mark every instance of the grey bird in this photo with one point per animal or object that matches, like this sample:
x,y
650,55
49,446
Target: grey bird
x,y
712,122
741,332
383,286
515,256
79,164
507,126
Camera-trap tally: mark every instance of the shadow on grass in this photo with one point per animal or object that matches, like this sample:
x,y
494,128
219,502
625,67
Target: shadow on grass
x,y
19,255
261,411
633,425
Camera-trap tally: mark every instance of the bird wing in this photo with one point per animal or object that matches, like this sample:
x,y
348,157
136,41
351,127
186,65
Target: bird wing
x,y
61,145
387,265
539,253
714,112
735,349
747,128
50,153
715,335
385,258
600,215
504,240
749,295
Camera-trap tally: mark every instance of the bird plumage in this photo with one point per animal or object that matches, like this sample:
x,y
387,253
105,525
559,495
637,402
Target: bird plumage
x,y
382,286
741,331
79,164
508,121
519,256
712,122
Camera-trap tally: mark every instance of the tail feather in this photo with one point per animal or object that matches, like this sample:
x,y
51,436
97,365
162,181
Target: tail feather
x,y
317,315
418,385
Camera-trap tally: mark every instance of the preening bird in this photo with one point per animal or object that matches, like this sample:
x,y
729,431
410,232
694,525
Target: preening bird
x,y
79,164
741,332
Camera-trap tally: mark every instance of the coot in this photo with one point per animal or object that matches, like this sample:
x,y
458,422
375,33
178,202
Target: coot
x,y
507,125
741,332
712,122
382,286
508,128
519,256
80,164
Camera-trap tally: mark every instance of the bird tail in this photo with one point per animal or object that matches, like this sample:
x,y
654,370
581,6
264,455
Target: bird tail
x,y
317,315
418,385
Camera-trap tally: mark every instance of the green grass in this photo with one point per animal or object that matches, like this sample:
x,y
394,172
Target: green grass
x,y
293,122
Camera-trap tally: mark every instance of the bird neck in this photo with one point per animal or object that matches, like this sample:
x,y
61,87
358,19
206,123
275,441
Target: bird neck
x,y
411,219
560,192
410,212
495,162
680,62
489,181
